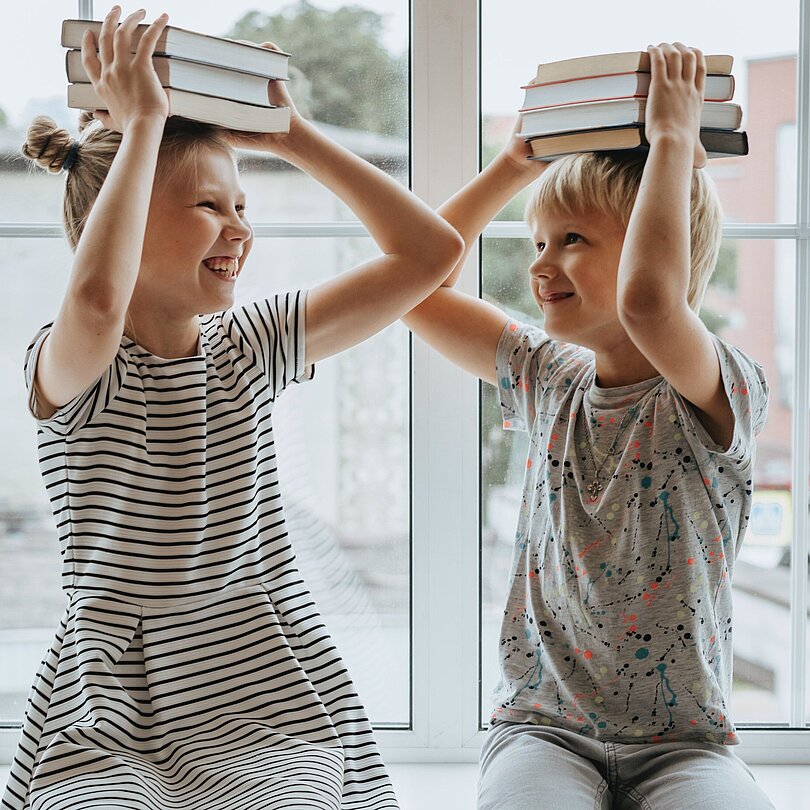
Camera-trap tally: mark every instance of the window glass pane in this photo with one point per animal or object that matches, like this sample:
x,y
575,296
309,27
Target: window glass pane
x,y
31,197
750,304
30,591
334,437
349,73
764,70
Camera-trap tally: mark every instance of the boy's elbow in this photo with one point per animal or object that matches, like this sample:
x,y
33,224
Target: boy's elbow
x,y
638,304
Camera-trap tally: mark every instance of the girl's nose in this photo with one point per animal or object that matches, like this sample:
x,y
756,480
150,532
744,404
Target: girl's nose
x,y
238,229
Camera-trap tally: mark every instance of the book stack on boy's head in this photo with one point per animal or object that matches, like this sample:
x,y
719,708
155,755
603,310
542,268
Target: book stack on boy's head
x,y
596,104
210,79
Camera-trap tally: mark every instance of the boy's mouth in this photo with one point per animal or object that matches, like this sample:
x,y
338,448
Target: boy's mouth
x,y
551,298
226,267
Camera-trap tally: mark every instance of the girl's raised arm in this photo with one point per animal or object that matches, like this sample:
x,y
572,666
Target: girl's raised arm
x,y
87,331
419,248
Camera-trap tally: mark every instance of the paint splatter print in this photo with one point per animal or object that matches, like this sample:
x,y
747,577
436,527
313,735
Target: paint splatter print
x,y
618,616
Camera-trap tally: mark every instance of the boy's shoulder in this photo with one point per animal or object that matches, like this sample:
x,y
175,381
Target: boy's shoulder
x,y
524,344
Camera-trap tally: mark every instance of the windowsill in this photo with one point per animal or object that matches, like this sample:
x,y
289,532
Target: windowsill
x,y
451,786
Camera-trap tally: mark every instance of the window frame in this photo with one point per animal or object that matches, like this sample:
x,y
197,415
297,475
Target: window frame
x,y
445,485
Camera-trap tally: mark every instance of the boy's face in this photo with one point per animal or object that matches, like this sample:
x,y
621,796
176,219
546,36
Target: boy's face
x,y
574,275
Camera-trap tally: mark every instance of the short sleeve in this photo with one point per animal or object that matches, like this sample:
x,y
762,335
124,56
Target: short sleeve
x,y
83,408
274,329
747,391
520,356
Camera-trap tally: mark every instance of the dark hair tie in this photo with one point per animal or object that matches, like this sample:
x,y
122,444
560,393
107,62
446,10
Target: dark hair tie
x,y
71,156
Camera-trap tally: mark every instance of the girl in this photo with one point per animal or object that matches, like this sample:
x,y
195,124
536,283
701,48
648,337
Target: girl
x,y
191,669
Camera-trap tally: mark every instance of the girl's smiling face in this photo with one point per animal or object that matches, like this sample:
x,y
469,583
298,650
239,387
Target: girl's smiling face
x,y
197,239
574,275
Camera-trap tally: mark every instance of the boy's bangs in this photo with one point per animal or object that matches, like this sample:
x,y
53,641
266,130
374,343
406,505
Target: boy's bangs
x,y
577,184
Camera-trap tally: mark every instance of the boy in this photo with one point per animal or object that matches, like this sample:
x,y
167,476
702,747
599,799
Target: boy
x,y
615,647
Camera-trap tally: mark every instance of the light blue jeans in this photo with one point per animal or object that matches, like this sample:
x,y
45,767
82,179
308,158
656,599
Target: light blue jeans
x,y
530,767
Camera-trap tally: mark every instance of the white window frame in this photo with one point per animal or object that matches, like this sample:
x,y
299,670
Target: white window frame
x,y
445,424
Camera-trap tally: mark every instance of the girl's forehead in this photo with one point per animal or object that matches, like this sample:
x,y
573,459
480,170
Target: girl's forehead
x,y
210,170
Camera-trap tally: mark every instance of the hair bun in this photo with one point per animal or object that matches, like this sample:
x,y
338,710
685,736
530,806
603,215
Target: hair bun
x,y
47,144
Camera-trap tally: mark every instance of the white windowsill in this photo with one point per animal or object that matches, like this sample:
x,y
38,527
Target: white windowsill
x,y
451,786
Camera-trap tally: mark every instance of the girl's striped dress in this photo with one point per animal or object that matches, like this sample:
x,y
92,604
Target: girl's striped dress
x,y
191,668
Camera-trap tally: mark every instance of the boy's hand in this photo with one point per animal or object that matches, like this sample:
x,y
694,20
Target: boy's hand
x,y
675,99
277,94
127,82
517,151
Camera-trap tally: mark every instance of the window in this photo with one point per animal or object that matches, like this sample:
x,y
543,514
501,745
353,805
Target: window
x,y
416,618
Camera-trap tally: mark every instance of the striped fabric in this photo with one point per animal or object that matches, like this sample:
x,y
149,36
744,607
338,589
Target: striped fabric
x,y
191,668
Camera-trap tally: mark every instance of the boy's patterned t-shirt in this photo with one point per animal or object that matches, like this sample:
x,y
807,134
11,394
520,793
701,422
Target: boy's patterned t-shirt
x,y
618,615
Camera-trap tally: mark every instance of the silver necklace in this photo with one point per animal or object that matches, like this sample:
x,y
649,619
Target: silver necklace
x,y
595,487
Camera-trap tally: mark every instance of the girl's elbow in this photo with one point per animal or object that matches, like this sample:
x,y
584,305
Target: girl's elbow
x,y
450,246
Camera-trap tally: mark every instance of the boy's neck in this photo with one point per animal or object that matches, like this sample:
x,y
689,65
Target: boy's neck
x,y
622,367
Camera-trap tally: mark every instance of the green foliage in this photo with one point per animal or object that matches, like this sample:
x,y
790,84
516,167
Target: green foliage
x,y
353,80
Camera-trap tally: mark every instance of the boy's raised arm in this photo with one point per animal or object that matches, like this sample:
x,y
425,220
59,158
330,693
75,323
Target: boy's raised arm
x,y
654,269
463,328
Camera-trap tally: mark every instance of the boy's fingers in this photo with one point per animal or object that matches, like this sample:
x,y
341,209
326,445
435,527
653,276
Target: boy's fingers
x,y
672,58
688,61
90,60
105,35
146,46
658,66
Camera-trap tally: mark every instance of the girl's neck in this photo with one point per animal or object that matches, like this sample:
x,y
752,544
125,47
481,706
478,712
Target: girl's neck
x,y
164,337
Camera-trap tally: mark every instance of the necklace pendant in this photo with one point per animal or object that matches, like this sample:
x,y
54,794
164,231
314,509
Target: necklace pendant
x,y
594,488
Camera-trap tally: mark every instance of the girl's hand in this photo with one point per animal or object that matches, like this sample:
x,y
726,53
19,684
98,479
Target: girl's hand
x,y
127,82
675,99
278,95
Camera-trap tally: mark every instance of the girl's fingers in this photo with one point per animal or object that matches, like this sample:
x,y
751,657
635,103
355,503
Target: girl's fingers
x,y
90,60
700,71
146,47
123,35
105,35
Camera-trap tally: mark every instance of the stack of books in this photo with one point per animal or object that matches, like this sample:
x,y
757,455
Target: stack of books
x,y
596,104
210,79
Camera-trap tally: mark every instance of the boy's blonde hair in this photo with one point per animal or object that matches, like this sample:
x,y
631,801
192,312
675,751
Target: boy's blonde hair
x,y
89,158
609,183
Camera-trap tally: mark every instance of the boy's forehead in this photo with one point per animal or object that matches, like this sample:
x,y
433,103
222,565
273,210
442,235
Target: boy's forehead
x,y
542,220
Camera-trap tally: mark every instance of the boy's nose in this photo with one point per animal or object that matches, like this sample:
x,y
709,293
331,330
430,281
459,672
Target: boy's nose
x,y
544,265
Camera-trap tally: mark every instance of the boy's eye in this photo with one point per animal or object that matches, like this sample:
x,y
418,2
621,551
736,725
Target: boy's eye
x,y
206,204
572,237
538,248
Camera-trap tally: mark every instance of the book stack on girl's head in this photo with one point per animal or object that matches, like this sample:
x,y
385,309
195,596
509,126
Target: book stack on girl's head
x,y
596,104
210,79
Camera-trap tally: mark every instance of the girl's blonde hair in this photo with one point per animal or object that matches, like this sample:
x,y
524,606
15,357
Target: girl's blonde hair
x,y
609,183
87,160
